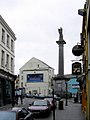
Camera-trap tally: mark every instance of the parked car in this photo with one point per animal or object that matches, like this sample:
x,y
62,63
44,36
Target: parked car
x,y
40,108
40,96
29,95
7,115
53,104
55,97
21,113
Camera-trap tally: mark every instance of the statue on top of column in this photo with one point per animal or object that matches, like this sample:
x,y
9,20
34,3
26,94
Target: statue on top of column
x,y
60,33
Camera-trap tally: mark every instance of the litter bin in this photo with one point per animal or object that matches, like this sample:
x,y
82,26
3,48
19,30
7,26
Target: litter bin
x,y
60,105
75,100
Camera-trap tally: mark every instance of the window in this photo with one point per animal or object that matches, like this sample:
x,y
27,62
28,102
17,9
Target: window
x,y
22,77
3,36
7,115
38,65
3,58
7,62
21,84
8,41
17,82
12,65
12,45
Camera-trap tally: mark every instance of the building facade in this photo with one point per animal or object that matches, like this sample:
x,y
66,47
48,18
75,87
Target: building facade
x,y
36,77
84,80
7,56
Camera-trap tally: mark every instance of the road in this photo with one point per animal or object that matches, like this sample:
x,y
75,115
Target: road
x,y
27,101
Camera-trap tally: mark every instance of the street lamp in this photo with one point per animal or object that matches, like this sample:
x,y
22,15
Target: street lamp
x,y
66,93
52,86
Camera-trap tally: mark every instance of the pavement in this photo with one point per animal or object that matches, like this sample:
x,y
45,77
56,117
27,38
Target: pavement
x,y
73,111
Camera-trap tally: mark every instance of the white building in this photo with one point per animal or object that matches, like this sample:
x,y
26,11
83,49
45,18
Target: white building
x,y
36,77
7,56
7,50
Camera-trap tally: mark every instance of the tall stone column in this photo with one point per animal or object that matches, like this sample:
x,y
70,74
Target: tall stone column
x,y
61,43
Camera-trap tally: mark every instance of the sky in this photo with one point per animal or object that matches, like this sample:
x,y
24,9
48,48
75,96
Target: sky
x,y
36,23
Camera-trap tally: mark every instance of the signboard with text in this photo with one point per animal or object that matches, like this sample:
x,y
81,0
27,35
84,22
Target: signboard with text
x,y
76,68
34,77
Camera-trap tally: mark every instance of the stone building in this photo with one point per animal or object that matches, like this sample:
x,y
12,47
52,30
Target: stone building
x,y
7,56
35,76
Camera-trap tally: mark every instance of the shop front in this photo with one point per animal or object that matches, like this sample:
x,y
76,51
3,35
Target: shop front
x,y
7,84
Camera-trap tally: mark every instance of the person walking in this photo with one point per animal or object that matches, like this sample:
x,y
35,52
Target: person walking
x,y
21,96
16,94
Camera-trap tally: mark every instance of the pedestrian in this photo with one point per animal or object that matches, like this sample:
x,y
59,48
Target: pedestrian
x,y
14,102
16,94
21,96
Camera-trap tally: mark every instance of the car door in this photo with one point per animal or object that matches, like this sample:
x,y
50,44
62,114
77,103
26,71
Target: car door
x,y
49,105
26,114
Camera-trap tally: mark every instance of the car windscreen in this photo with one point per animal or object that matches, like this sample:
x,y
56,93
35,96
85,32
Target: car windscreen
x,y
6,115
40,103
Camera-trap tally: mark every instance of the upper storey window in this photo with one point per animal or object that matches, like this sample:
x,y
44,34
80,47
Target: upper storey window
x,y
12,65
12,45
3,36
7,61
8,39
2,58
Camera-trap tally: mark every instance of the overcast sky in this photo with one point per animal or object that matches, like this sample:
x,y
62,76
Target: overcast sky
x,y
35,24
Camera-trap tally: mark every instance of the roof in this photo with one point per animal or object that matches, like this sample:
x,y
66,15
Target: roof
x,y
5,25
33,58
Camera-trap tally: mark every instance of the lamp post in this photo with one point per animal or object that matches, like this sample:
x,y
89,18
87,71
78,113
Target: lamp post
x,y
66,93
53,106
52,86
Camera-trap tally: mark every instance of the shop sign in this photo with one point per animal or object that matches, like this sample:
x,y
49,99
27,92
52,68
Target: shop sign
x,y
76,68
6,77
77,50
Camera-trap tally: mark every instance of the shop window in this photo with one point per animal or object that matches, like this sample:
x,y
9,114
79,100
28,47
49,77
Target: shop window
x,y
8,92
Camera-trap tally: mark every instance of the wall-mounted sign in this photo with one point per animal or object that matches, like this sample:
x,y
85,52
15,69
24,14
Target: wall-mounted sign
x,y
6,77
77,50
34,77
76,68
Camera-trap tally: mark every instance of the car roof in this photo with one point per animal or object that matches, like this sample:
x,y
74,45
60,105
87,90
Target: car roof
x,y
7,114
40,100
